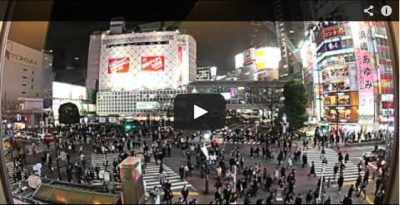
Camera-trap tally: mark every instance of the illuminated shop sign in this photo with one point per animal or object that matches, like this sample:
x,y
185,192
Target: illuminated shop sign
x,y
334,31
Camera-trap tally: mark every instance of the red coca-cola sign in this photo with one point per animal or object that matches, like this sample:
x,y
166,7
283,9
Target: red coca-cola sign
x,y
153,63
118,65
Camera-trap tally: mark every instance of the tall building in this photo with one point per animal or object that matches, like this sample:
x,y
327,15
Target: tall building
x,y
354,60
291,34
27,72
141,73
27,75
93,67
262,34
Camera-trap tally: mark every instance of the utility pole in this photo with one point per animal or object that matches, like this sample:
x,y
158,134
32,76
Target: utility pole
x,y
206,191
337,112
57,156
322,183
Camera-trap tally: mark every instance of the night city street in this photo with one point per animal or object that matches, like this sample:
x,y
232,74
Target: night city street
x,y
214,102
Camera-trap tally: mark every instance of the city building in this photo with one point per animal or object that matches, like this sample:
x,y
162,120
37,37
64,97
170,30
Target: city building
x,y
93,67
27,75
354,62
262,34
385,76
290,35
78,95
355,71
141,73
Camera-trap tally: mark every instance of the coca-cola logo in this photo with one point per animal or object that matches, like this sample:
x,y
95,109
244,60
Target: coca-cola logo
x,y
153,63
118,65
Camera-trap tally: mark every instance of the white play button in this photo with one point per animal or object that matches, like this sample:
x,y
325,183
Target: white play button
x,y
198,111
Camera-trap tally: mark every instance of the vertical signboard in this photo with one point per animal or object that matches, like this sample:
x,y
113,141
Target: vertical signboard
x,y
365,72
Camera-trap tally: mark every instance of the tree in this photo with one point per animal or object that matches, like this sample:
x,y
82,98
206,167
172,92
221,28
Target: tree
x,y
295,103
69,114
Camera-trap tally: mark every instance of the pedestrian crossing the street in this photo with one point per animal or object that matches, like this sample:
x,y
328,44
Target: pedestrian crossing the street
x,y
11,170
152,177
350,173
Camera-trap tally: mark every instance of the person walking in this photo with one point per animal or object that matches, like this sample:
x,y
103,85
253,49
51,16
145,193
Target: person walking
x,y
351,191
268,183
312,170
335,171
185,194
340,182
290,162
346,158
283,172
358,182
276,174
309,197
299,200
182,172
363,186
305,160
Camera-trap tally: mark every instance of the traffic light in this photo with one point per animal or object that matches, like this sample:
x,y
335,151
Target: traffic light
x,y
128,127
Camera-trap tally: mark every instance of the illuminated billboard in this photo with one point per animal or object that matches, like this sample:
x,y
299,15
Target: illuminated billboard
x,y
259,58
146,61
239,60
69,91
267,58
365,71
153,63
118,65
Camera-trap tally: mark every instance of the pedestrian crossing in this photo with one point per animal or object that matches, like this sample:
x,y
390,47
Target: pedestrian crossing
x,y
247,142
98,159
41,147
350,173
152,179
11,170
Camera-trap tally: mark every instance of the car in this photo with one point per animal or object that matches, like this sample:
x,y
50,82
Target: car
x,y
374,156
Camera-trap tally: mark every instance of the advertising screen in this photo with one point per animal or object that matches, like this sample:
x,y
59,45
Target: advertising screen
x,y
153,63
118,65
69,91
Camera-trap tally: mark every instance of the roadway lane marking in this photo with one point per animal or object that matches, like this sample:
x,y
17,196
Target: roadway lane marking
x,y
176,193
369,200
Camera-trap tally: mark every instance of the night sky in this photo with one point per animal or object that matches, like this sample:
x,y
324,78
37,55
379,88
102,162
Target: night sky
x,y
217,41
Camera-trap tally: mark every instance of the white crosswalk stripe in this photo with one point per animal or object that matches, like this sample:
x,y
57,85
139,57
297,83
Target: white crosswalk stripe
x,y
350,173
42,147
251,142
152,179
10,169
98,159
232,141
